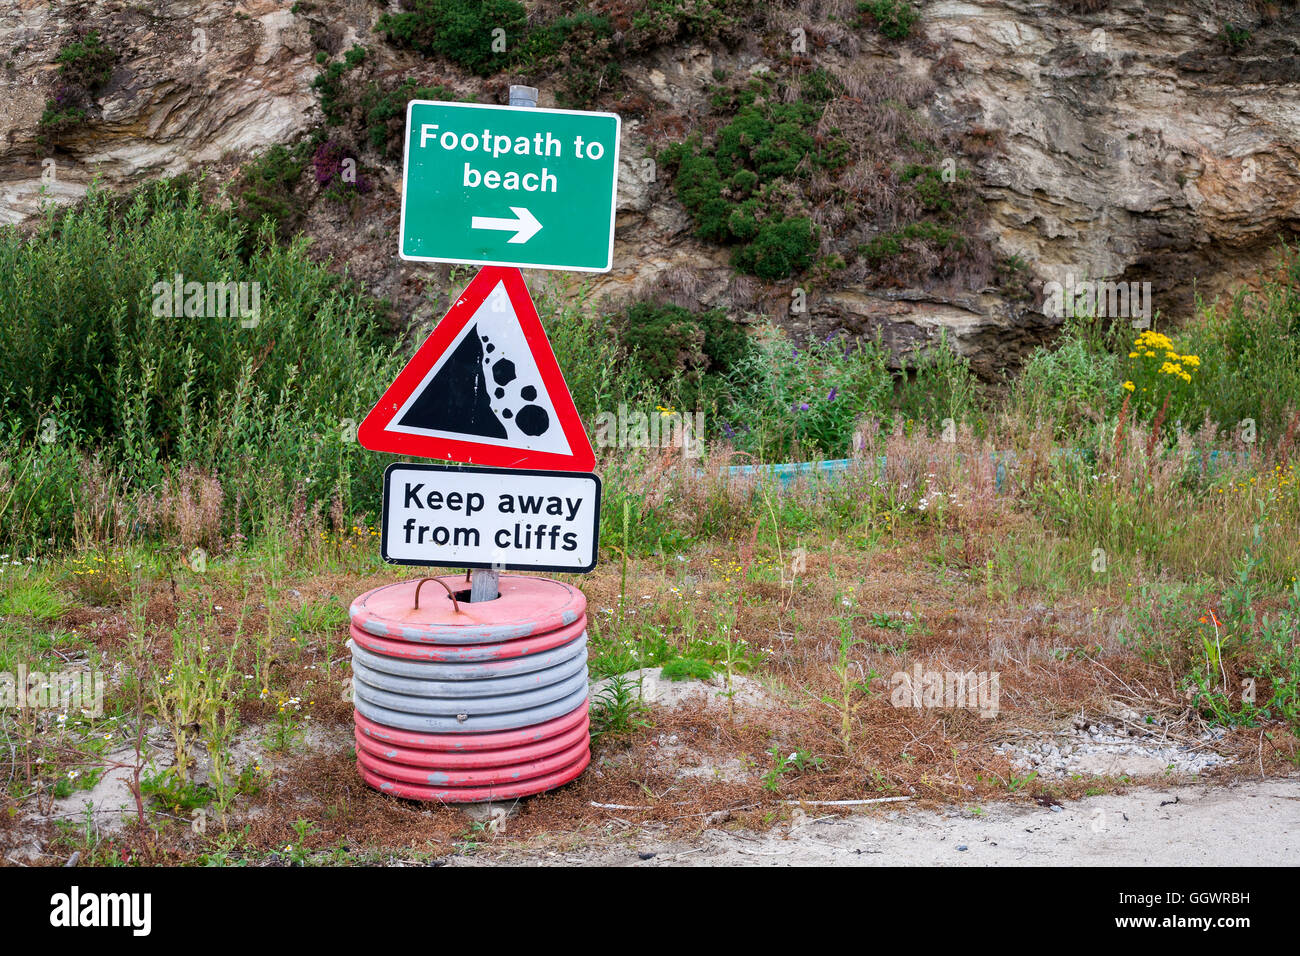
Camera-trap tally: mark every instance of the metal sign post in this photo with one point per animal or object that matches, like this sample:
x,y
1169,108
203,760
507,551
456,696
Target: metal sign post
x,y
484,585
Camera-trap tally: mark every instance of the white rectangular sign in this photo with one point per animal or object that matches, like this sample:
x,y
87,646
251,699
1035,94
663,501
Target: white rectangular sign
x,y
466,517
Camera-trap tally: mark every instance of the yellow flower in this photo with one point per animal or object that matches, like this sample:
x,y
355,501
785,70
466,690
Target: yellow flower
x,y
1129,386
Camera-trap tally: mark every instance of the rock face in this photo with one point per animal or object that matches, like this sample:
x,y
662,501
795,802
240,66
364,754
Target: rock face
x,y
1137,143
194,81
1128,140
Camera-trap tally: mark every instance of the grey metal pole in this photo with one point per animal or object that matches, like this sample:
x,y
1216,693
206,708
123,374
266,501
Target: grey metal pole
x,y
523,96
485,585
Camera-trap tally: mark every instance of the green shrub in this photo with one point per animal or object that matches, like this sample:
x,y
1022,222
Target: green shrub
x,y
1071,386
819,86
788,402
266,189
381,111
588,345
86,363
385,112
1249,354
931,191
661,22
916,253
676,348
578,50
780,247
731,188
58,119
938,384
460,30
772,139
85,65
1235,38
892,18
41,471
892,244
87,62
329,82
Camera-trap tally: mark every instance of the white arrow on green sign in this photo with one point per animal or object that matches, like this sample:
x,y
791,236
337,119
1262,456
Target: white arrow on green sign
x,y
509,186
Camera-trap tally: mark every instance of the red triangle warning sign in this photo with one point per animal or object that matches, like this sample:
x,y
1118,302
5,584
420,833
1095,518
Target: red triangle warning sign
x,y
484,388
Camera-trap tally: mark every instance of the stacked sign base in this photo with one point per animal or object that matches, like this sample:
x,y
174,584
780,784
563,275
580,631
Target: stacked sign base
x,y
466,703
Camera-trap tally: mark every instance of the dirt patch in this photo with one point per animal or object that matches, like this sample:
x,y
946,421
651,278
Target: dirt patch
x,y
657,691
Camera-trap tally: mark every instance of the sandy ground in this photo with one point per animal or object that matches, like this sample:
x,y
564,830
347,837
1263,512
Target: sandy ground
x,y
1249,824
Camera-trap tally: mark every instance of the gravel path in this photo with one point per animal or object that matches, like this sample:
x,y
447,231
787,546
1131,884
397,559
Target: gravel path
x,y
1256,823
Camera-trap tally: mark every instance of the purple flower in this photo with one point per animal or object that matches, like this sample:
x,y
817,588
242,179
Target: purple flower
x,y
830,397
803,407
328,166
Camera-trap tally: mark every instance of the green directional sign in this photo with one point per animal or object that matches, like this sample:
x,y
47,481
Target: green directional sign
x,y
509,186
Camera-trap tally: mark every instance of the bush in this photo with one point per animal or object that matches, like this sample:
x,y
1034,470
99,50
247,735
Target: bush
x,y
938,384
660,22
385,112
893,18
933,194
1235,38
266,189
460,30
791,402
1248,353
780,247
334,168
1071,387
579,49
893,244
918,251
85,359
731,188
86,63
588,347
682,353
329,82
85,66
